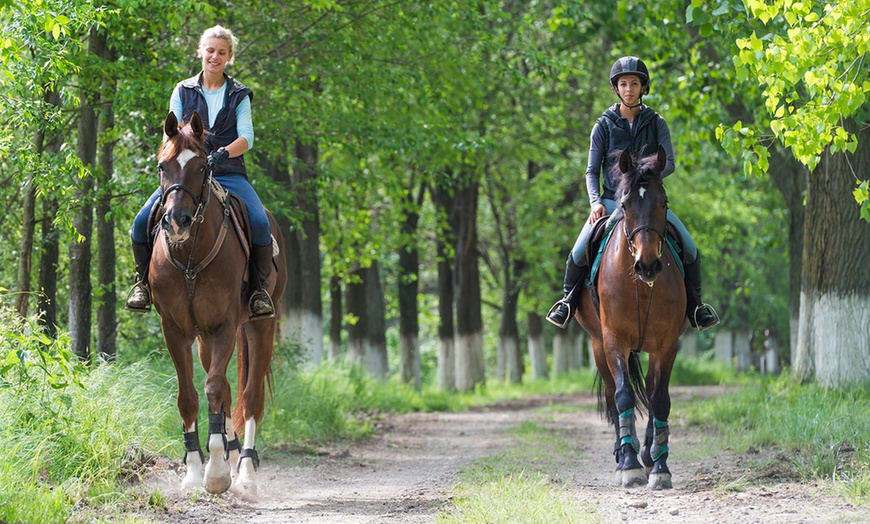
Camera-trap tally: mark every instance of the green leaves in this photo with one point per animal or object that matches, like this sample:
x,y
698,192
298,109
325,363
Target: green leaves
x,y
810,63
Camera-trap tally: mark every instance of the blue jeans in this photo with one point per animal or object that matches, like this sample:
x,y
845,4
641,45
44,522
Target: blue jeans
x,y
235,184
578,252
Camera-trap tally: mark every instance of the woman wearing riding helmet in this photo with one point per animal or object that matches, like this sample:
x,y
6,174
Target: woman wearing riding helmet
x,y
633,126
224,104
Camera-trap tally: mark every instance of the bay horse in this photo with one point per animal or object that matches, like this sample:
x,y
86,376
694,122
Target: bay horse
x,y
199,287
641,307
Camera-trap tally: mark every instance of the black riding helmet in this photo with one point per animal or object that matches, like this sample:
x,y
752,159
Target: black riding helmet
x,y
630,65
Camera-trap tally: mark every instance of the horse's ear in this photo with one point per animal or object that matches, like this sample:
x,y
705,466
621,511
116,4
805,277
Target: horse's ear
x,y
625,163
170,125
661,159
196,124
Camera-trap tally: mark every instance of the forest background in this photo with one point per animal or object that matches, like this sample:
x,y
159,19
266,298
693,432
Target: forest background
x,y
426,160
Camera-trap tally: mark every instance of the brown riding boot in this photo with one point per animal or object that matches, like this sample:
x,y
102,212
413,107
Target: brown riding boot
x,y
260,305
139,297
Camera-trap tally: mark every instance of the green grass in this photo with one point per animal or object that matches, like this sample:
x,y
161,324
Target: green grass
x,y
826,430
520,485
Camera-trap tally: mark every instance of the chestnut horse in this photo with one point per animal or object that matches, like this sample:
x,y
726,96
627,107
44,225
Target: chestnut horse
x,y
642,307
199,287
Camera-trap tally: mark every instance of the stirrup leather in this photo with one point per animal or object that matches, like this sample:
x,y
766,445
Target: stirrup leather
x,y
712,311
555,306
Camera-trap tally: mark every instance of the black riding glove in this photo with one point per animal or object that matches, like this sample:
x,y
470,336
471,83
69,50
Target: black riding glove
x,y
216,157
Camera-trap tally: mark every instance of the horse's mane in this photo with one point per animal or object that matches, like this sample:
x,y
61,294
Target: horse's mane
x,y
185,139
644,172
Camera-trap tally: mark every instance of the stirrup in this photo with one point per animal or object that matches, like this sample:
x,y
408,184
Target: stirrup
x,y
260,294
567,319
138,309
711,311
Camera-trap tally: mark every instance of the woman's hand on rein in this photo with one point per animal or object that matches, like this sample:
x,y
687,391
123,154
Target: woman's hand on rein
x,y
598,211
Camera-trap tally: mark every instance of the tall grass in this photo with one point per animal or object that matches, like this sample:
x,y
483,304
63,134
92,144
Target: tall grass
x,y
71,436
827,430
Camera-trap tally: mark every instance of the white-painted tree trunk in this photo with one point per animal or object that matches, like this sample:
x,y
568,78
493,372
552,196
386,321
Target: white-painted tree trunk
x,y
446,364
742,350
469,361
689,344
305,329
409,360
511,347
724,347
538,356
562,349
840,336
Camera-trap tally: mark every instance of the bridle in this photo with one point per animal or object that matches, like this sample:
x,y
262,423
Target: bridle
x,y
190,271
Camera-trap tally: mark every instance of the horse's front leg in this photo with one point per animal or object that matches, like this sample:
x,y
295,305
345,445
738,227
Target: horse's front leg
x,y
629,471
655,450
215,354
188,403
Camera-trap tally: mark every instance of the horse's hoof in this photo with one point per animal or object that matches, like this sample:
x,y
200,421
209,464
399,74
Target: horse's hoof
x,y
246,489
659,481
217,476
192,480
633,477
218,485
617,478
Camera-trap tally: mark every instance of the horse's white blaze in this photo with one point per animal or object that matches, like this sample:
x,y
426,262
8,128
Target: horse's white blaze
x,y
642,190
184,157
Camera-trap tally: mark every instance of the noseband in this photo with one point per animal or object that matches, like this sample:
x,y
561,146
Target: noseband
x,y
201,201
629,237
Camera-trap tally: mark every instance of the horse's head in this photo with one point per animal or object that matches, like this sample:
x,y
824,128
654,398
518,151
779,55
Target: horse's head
x,y
644,204
183,177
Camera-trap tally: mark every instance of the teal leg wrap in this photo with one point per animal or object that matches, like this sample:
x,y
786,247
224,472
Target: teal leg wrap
x,y
627,433
660,441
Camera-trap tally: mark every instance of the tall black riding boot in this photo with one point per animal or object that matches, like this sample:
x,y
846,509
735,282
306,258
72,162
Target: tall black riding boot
x,y
139,297
701,315
260,305
564,309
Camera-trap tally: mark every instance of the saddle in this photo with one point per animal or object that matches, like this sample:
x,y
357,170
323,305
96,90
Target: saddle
x,y
238,213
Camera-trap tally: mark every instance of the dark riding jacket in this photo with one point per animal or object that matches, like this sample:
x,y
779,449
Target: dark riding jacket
x,y
224,131
612,133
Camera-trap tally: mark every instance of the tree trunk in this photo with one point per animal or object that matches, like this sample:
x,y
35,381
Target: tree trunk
x,y
509,334
537,346
28,228
80,289
790,178
107,323
409,269
563,349
302,306
48,266
366,338
335,318
469,322
444,203
834,330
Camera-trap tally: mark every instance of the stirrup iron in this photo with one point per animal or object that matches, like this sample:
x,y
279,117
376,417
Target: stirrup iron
x,y
567,319
712,311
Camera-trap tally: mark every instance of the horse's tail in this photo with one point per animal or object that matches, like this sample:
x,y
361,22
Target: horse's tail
x,y
638,382
635,379
243,364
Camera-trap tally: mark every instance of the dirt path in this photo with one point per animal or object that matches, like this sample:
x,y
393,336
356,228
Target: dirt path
x,y
406,475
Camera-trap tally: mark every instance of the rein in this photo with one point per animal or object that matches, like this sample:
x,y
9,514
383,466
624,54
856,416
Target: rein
x,y
190,270
641,326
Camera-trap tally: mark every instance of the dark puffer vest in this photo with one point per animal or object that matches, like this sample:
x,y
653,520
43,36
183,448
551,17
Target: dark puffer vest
x,y
224,131
641,140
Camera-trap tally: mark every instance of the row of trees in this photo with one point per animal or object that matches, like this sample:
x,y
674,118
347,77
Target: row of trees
x,y
425,163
